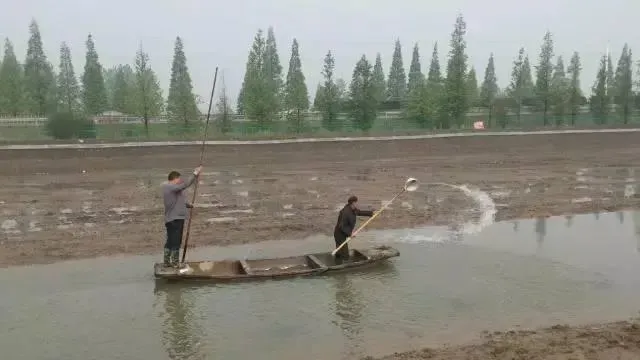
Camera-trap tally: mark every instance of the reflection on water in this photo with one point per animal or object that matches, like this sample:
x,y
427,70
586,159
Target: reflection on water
x,y
348,306
180,329
620,215
436,291
455,231
540,229
636,227
568,220
516,225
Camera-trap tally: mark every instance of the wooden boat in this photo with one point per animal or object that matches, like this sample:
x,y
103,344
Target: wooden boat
x,y
256,269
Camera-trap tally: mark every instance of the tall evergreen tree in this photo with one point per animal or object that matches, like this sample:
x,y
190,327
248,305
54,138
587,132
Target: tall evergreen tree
x,y
559,92
342,92
11,83
181,102
296,94
124,90
575,92
489,89
378,80
68,87
544,73
317,98
456,97
434,98
240,100
636,84
94,93
624,85
223,110
599,98
397,80
435,75
255,98
416,77
418,106
515,89
273,75
330,100
611,79
362,96
39,80
417,110
527,82
254,64
472,88
520,87
109,76
149,101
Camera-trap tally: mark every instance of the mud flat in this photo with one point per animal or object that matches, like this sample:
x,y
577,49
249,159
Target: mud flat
x,y
61,204
617,340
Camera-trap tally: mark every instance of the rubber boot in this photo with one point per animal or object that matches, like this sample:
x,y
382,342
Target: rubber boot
x,y
167,257
175,255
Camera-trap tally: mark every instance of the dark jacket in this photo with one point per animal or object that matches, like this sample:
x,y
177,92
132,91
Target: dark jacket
x,y
347,220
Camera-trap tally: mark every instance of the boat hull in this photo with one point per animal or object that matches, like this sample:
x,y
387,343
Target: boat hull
x,y
222,271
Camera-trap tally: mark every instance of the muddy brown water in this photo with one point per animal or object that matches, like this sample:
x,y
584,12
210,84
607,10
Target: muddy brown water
x,y
443,288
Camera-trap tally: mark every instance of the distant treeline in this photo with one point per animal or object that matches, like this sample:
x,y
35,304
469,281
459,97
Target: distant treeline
x,y
439,98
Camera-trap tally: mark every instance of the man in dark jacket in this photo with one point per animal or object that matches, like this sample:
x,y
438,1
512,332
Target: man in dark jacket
x,y
175,212
345,225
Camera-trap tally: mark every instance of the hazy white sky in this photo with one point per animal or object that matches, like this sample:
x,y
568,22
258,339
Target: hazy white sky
x,y
220,33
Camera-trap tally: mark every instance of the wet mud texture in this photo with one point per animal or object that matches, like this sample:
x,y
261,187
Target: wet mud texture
x,y
64,204
620,340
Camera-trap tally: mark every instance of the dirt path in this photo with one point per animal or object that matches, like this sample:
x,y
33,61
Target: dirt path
x,y
62,204
619,340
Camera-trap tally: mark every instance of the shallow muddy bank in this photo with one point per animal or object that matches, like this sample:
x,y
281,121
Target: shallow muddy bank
x,y
615,340
67,204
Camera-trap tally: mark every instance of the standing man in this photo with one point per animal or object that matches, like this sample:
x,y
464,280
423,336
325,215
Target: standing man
x,y
175,212
345,225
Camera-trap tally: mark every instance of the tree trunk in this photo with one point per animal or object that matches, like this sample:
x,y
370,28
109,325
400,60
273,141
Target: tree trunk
x,y
489,123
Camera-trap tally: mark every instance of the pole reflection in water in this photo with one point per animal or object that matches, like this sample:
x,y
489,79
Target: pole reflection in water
x,y
181,333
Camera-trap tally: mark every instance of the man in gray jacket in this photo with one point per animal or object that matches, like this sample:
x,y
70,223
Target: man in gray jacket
x,y
175,212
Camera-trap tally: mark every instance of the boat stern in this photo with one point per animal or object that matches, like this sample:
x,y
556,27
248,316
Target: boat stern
x,y
380,252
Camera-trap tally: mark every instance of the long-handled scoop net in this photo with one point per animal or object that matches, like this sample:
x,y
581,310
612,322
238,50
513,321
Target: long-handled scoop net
x,y
410,185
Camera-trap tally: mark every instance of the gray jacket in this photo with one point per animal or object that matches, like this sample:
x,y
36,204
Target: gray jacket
x,y
175,202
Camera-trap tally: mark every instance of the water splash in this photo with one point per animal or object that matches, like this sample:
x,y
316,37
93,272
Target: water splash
x,y
486,206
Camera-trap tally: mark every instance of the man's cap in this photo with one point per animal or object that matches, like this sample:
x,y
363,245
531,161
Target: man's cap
x,y
352,199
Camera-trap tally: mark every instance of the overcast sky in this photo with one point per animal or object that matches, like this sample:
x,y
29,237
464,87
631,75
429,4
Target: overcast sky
x,y
220,33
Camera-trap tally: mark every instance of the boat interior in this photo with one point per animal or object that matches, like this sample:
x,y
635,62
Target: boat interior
x,y
267,267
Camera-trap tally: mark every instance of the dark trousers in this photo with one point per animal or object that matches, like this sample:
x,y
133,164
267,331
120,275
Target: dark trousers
x,y
174,234
343,253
